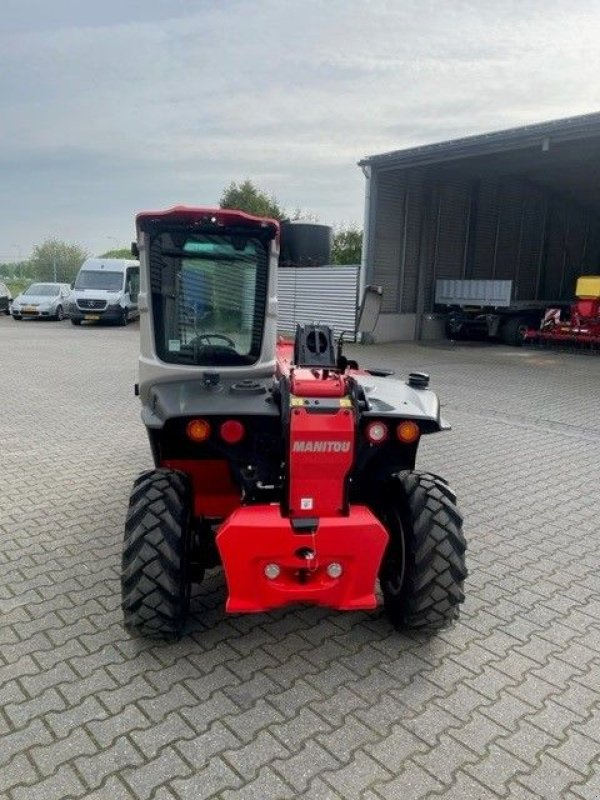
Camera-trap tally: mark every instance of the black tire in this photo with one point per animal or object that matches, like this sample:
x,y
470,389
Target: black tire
x,y
512,331
122,319
17,317
155,585
60,314
423,571
75,321
451,333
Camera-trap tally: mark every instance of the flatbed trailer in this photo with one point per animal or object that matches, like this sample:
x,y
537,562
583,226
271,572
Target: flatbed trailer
x,y
485,309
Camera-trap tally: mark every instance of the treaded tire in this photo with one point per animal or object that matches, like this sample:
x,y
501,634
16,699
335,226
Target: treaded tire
x,y
511,331
155,588
426,537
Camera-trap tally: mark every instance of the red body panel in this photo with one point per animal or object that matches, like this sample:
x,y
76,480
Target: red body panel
x,y
256,536
321,456
310,383
284,353
224,216
214,493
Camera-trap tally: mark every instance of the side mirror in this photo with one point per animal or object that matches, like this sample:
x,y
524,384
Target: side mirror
x,y
369,310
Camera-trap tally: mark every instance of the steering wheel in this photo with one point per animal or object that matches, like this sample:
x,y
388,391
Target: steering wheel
x,y
204,339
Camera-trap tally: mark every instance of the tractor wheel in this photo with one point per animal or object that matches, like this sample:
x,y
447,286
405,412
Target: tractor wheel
x,y
155,584
512,331
423,570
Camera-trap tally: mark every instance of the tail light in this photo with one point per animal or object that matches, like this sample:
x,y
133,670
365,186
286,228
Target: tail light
x,y
408,431
198,430
232,431
376,432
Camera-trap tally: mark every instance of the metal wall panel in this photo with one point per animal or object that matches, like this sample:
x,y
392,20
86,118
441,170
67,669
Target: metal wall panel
x,y
532,238
317,294
508,229
553,260
388,237
413,218
486,229
453,225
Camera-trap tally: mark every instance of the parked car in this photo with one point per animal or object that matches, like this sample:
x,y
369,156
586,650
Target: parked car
x,y
5,298
42,300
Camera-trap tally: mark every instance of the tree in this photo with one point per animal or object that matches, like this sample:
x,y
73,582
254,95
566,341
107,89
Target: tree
x,y
247,197
54,260
347,246
123,252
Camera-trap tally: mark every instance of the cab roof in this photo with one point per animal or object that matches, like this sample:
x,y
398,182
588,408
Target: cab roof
x,y
199,214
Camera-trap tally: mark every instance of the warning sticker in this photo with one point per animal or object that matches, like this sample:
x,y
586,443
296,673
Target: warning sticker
x,y
306,503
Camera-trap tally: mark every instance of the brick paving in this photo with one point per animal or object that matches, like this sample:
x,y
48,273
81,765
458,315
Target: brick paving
x,y
300,703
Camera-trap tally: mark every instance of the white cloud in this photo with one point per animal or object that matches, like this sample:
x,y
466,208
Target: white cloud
x,y
134,105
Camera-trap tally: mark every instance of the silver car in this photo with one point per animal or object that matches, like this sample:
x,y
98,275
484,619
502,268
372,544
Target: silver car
x,y
42,300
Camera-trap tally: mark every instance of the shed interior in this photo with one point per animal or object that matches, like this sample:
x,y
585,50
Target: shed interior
x,y
520,205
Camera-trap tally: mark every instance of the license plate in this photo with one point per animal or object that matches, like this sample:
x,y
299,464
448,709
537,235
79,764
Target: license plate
x,y
92,316
29,310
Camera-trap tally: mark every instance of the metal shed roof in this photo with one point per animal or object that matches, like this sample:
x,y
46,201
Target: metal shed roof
x,y
559,130
562,155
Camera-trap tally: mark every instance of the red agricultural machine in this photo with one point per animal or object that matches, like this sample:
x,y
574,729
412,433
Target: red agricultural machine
x,y
579,327
284,463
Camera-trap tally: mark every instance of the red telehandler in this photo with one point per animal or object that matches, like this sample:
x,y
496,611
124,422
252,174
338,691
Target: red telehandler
x,y
284,463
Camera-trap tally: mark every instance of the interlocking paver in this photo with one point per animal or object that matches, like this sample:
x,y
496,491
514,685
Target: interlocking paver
x,y
262,750
111,760
17,772
412,783
354,778
247,724
301,768
198,750
301,702
207,782
152,773
550,778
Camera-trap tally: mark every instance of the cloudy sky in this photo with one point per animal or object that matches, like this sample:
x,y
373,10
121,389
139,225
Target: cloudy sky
x,y
109,107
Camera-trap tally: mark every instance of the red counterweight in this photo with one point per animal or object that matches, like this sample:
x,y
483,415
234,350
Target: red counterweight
x,y
321,443
320,458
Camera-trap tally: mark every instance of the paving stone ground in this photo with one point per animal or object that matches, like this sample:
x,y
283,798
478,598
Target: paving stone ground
x,y
300,703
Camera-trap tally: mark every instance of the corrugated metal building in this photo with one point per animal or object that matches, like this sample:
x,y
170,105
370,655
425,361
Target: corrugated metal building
x,y
326,294
521,205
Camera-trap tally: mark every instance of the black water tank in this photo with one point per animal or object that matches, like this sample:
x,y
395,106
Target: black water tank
x,y
305,244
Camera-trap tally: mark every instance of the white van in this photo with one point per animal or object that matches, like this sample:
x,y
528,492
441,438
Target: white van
x,y
106,289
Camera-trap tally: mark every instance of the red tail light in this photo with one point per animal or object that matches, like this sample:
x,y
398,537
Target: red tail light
x,y
232,431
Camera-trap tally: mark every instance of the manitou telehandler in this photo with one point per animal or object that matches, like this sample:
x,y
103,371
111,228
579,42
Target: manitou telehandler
x,y
285,463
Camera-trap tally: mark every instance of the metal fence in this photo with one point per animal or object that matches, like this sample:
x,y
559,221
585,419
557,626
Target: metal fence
x,y
327,295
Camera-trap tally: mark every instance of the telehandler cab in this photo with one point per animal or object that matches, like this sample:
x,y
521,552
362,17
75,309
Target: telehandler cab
x,y
284,462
